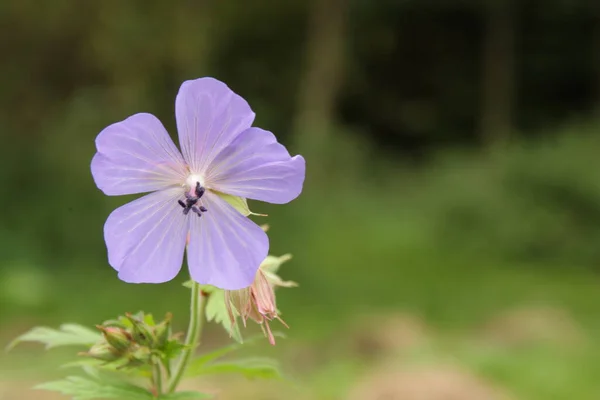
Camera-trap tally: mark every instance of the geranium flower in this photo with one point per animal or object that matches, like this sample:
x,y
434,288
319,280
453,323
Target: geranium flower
x,y
220,153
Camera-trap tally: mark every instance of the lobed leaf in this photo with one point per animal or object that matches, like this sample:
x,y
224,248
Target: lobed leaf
x,y
120,367
200,361
172,349
188,395
264,368
83,388
66,335
217,311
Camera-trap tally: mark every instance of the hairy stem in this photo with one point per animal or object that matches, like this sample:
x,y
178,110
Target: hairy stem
x,y
157,378
192,340
167,367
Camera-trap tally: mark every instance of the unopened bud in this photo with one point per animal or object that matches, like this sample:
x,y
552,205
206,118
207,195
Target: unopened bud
x,y
141,333
116,337
256,302
141,354
238,301
103,351
264,296
162,331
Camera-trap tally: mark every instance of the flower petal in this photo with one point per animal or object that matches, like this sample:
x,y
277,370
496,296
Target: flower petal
x,y
255,166
146,238
136,156
225,248
209,116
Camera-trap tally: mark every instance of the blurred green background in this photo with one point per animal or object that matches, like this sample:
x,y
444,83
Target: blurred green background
x,y
447,243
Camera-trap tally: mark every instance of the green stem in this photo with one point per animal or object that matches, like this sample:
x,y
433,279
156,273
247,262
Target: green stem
x,y
157,378
192,340
167,367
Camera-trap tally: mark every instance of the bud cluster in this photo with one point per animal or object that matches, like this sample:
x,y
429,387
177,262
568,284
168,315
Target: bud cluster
x,y
135,340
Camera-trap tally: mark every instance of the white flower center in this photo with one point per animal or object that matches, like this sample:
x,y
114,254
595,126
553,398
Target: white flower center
x,y
194,190
192,179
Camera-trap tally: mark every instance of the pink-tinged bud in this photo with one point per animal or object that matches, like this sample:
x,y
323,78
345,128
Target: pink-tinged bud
x,y
116,337
264,295
256,302
238,301
104,352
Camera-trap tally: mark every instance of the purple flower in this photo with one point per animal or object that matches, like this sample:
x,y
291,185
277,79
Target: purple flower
x,y
220,153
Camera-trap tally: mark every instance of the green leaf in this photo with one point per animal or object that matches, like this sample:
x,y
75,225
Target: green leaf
x,y
239,203
217,311
209,288
188,395
205,288
66,335
272,263
172,349
199,362
264,368
148,319
120,322
83,388
119,367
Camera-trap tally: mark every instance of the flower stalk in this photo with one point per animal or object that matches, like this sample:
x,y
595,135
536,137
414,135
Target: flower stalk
x,y
197,317
157,379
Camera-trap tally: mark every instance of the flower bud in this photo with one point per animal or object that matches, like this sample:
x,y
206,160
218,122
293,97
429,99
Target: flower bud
x,y
264,295
103,351
141,333
141,354
162,331
116,337
238,301
256,302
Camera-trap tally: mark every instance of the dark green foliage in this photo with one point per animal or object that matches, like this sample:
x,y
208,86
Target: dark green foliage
x,y
411,83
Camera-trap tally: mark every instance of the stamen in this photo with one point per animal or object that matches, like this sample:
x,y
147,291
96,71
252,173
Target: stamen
x,y
189,197
191,201
199,190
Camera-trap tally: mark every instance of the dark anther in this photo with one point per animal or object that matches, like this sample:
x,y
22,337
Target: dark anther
x,y
197,211
191,201
199,190
189,197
